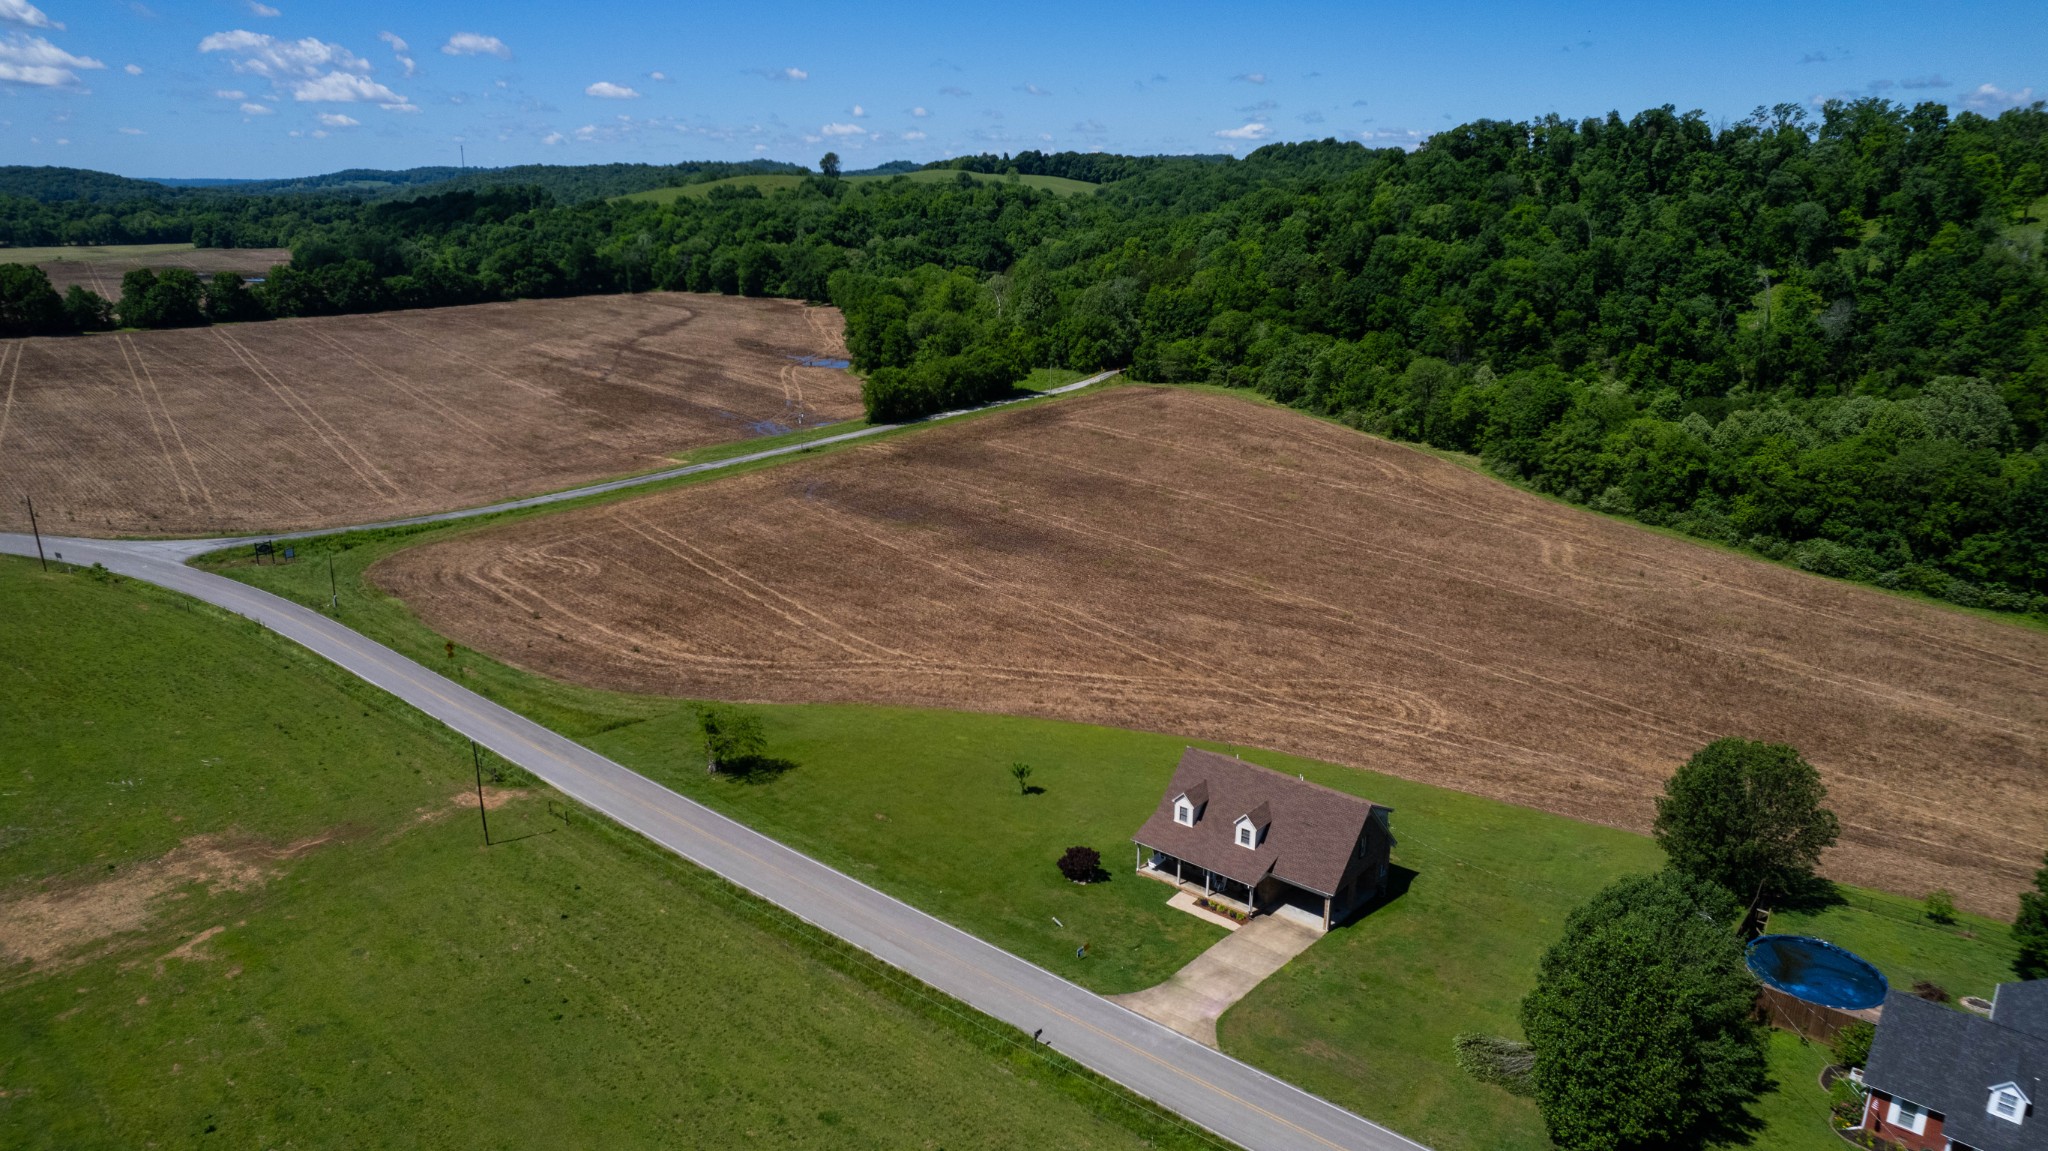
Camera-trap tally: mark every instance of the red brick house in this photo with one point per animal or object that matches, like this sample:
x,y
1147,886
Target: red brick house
x,y
1259,841
1944,1080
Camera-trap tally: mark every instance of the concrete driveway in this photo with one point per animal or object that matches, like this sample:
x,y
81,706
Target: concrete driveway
x,y
1197,996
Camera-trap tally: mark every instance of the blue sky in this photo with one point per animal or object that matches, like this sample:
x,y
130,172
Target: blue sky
x,y
248,89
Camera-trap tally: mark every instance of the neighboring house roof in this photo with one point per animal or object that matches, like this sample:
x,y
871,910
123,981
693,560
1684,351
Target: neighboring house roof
x,y
1949,1062
1312,832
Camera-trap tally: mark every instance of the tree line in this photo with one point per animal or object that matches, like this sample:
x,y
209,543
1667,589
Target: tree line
x,y
1820,338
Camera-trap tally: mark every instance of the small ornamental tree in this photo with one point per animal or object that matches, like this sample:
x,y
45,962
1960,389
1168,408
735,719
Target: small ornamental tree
x,y
1852,1044
2030,929
729,733
1639,1021
1021,772
1747,816
1081,864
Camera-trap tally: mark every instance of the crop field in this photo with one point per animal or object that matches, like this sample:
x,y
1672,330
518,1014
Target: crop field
x,y
1181,561
335,420
101,268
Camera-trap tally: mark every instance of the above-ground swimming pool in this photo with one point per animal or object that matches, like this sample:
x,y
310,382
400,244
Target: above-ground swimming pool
x,y
1817,971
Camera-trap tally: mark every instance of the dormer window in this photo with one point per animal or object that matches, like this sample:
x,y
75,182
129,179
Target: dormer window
x,y
1246,831
2008,1103
1183,814
1245,835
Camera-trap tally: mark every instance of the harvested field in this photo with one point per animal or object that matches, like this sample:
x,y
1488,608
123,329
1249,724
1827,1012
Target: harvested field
x,y
346,419
101,268
1189,562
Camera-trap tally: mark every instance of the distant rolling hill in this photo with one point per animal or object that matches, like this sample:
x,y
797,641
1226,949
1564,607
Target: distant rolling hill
x,y
769,183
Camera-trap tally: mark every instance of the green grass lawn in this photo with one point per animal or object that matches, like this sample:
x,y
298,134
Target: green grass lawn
x,y
919,804
398,984
771,183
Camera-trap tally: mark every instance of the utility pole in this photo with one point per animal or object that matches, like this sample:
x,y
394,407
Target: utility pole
x,y
32,526
476,758
333,596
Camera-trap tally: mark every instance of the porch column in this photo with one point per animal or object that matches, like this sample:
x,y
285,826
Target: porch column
x,y
1176,869
1326,913
1140,864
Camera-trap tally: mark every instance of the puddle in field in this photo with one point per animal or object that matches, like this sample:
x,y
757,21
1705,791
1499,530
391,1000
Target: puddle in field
x,y
769,428
822,362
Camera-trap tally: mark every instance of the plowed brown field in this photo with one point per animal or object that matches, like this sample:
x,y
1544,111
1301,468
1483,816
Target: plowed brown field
x,y
101,269
1194,563
347,419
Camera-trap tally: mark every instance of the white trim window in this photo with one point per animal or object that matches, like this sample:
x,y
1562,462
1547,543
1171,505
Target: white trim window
x,y
1247,834
2008,1102
1183,812
1911,1116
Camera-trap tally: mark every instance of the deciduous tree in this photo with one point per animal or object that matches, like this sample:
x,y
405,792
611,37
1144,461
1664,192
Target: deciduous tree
x,y
1747,816
1640,1020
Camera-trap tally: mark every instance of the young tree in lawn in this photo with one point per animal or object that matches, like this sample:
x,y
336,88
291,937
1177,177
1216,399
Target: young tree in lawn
x,y
1747,816
1021,772
729,733
2030,929
1640,1020
1081,864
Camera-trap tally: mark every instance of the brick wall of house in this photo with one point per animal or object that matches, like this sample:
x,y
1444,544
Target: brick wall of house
x,y
1874,1122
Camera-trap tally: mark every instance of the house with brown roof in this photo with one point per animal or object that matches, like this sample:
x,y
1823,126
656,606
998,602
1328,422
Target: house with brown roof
x,y
1265,842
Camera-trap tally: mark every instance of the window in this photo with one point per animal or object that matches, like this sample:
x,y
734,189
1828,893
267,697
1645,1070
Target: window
x,y
1911,1116
1184,814
1244,835
2007,1103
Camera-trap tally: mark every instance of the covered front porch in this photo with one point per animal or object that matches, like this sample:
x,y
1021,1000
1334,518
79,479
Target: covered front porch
x,y
1269,897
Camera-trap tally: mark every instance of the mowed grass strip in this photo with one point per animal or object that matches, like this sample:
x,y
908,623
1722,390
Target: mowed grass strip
x,y
1364,1018
372,975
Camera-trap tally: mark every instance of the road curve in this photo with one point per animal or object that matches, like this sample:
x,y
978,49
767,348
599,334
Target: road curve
x,y
1235,1101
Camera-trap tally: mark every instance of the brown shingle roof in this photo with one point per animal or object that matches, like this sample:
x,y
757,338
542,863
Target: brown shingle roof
x,y
1313,835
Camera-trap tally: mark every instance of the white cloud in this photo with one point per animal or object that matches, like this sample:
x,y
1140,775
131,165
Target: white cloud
x,y
345,88
919,112
337,120
606,90
1992,98
841,130
657,77
258,110
399,48
1034,90
913,134
859,111
37,63
25,14
129,131
132,69
787,74
474,44
263,55
1045,136
231,93
265,10
1251,77
1252,131
553,138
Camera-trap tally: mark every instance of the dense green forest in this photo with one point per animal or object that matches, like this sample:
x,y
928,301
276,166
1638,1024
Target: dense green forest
x,y
1823,339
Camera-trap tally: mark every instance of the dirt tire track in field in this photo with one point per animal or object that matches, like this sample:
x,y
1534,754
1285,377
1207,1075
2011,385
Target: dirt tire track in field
x,y
341,446
1178,561
426,410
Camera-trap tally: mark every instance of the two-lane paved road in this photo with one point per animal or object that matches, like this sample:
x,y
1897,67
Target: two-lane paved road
x,y
1237,1102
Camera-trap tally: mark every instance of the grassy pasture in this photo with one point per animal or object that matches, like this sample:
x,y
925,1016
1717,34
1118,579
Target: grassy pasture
x,y
776,182
918,803
392,982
